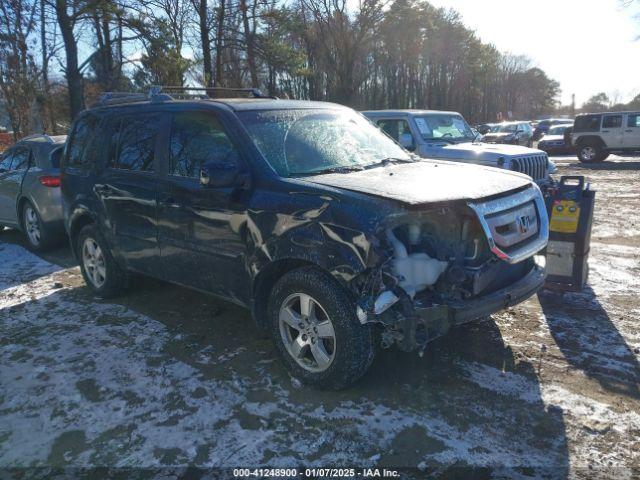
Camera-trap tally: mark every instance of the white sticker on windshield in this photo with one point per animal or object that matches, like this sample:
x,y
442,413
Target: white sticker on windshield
x,y
422,126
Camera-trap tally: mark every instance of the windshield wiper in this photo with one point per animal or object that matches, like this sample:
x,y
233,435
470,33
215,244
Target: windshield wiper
x,y
440,139
389,160
340,169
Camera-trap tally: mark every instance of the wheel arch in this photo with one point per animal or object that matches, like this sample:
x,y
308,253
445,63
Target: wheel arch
x,y
78,221
595,139
264,282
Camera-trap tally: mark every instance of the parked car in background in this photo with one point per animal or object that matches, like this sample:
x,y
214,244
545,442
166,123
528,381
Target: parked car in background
x,y
557,141
447,136
484,128
30,189
306,214
513,133
596,135
542,127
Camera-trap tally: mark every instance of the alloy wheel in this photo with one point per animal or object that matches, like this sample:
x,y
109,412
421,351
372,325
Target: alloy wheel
x,y
307,332
588,153
93,262
32,225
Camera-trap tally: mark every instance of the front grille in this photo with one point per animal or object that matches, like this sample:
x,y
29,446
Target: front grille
x,y
533,165
516,226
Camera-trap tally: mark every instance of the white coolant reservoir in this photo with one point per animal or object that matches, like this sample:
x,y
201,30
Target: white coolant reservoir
x,y
416,271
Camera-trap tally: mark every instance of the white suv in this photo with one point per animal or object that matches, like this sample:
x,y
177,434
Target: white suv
x,y
596,135
447,136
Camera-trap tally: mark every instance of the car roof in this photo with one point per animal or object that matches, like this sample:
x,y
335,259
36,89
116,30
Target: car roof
x,y
635,112
236,104
407,111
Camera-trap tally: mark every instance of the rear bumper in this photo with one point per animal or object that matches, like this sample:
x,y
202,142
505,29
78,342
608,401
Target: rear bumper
x,y
431,321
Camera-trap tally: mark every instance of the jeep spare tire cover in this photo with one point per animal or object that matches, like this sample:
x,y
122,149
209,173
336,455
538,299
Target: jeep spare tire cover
x,y
427,181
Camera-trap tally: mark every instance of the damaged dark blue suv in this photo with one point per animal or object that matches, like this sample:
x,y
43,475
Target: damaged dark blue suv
x,y
304,212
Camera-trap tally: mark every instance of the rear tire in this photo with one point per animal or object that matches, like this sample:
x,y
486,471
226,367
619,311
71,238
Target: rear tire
x,y
36,234
100,270
322,343
591,152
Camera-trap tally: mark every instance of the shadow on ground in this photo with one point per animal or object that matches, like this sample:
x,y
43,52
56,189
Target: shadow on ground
x,y
619,165
590,341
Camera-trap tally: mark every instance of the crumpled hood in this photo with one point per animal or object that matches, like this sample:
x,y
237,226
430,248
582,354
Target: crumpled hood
x,y
427,181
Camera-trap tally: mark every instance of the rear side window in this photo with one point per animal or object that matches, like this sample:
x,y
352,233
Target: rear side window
x,y
134,141
5,161
20,159
198,138
634,120
82,143
612,121
587,123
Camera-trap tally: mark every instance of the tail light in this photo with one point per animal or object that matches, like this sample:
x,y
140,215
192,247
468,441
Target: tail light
x,y
50,180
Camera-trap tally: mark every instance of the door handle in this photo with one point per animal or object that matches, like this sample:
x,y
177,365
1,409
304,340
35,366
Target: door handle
x,y
628,130
605,131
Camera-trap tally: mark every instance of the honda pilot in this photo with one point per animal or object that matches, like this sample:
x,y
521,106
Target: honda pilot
x,y
331,234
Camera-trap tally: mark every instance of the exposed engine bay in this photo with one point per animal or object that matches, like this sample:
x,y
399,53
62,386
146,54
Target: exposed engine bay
x,y
439,262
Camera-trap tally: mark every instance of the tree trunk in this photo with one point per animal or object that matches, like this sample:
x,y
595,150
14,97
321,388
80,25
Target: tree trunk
x,y
219,35
72,72
248,38
205,41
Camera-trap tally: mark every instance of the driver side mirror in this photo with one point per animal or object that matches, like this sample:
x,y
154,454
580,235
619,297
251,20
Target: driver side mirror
x,y
220,174
406,141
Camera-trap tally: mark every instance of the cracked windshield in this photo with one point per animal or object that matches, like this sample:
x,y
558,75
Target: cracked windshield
x,y
308,142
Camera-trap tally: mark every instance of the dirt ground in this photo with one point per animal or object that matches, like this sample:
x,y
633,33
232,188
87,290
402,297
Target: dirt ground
x,y
167,377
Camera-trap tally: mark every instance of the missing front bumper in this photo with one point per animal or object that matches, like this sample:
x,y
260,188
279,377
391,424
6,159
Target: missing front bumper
x,y
428,321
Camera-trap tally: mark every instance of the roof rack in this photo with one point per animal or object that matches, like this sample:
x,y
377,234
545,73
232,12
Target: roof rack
x,y
117,98
159,93
207,92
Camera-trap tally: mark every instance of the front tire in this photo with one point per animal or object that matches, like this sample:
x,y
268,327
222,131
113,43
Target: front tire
x,y
317,334
101,272
36,234
591,153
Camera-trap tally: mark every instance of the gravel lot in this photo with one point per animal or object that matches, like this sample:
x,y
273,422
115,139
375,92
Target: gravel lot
x,y
167,377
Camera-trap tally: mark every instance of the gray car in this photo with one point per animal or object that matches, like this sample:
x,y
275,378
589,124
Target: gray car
x,y
30,189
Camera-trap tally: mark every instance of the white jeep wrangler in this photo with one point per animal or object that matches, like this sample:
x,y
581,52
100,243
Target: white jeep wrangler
x,y
447,136
596,135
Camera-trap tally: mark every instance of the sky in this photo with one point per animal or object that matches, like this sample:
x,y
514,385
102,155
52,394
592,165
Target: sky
x,y
589,46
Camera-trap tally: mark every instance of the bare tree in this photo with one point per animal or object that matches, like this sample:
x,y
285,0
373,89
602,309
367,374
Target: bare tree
x,y
69,13
18,72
